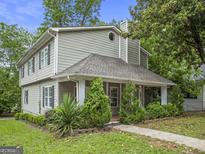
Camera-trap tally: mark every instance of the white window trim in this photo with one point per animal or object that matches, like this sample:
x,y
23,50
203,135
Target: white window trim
x,y
43,56
48,103
113,87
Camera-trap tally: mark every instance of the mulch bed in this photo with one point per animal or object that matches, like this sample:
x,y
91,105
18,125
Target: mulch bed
x,y
76,131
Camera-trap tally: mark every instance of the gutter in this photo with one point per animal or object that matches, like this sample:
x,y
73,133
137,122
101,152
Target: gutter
x,y
33,46
112,77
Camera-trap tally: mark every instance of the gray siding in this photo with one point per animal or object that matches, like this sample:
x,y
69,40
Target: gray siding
x,y
42,73
194,104
74,46
133,51
35,97
143,59
123,52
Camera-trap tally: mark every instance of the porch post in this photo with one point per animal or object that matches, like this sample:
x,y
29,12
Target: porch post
x,y
164,95
56,95
81,91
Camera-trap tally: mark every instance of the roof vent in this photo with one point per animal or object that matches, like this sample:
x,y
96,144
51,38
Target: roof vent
x,y
111,36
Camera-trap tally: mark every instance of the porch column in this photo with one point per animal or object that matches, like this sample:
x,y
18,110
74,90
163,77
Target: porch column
x,y
164,95
81,91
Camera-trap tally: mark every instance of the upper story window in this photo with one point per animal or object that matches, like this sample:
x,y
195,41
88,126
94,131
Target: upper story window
x,y
31,66
44,57
22,71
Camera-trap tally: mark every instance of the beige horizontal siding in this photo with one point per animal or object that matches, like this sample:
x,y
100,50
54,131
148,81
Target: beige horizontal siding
x,y
42,73
133,51
74,46
35,98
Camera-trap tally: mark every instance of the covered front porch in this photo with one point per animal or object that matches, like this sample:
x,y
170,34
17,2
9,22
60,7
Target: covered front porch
x,y
78,87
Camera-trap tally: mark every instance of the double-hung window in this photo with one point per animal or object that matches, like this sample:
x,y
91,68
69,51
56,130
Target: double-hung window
x,y
31,66
44,57
26,97
114,96
48,96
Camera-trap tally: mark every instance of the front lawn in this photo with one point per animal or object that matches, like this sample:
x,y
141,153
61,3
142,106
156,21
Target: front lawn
x,y
35,140
191,125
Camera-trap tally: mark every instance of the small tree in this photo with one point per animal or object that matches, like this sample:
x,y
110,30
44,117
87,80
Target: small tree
x,y
130,110
97,109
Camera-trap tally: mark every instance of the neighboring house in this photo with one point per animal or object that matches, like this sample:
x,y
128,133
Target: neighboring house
x,y
196,103
65,60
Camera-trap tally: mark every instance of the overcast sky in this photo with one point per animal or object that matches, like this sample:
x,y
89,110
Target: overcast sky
x,y
29,13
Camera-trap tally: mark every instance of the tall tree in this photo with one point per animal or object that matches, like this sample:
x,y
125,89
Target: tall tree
x,y
180,22
13,42
173,31
62,13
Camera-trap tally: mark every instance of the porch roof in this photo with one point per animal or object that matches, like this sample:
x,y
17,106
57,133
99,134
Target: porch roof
x,y
113,68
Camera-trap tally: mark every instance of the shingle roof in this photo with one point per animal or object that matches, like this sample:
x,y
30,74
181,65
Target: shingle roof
x,y
115,68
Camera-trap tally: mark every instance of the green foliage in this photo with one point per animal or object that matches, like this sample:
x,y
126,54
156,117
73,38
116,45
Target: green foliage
x,y
66,117
177,98
50,115
13,42
130,110
62,13
173,31
96,109
171,109
38,120
156,110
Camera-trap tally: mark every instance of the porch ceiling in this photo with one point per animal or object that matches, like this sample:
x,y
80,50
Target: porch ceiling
x,y
111,68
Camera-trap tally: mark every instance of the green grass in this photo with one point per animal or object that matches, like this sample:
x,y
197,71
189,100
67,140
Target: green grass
x,y
36,141
192,125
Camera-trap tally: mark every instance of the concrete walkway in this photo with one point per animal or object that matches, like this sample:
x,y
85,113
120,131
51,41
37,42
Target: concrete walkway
x,y
171,137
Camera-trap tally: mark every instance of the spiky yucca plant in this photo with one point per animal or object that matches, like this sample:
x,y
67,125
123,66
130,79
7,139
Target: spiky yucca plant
x,y
67,117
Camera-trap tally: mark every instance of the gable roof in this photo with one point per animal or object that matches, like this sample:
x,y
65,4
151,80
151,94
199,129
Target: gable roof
x,y
113,68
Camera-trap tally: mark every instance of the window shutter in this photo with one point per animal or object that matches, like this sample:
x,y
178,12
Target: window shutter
x,y
40,60
49,48
52,104
43,96
33,63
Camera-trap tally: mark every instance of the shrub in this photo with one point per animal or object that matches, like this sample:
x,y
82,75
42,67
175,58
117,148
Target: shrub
x,y
50,115
177,98
96,109
130,110
171,109
17,116
66,117
38,120
156,110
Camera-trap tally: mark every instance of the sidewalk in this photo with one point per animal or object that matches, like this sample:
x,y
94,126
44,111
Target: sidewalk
x,y
171,137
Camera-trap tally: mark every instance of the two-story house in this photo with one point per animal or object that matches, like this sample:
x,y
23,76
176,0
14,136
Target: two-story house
x,y
65,60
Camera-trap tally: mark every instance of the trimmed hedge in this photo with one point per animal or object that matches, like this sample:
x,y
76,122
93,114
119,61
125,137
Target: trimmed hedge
x,y
38,120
